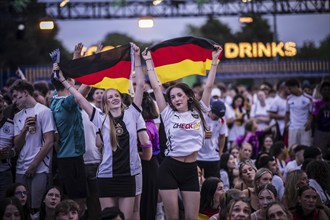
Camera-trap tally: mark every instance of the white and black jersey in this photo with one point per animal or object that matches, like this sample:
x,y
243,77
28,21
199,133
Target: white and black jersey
x,y
184,131
6,139
125,161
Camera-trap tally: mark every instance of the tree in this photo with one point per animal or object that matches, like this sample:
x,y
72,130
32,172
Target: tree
x,y
28,46
115,39
256,31
212,29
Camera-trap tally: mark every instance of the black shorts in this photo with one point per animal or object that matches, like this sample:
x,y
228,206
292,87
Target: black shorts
x,y
123,186
73,177
211,168
175,174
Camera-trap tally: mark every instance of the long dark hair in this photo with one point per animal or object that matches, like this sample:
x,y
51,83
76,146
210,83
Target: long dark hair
x,y
223,165
11,192
207,192
149,109
43,205
233,102
193,103
11,201
320,172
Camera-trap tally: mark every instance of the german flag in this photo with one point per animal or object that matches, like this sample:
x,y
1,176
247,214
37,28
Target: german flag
x,y
108,69
180,57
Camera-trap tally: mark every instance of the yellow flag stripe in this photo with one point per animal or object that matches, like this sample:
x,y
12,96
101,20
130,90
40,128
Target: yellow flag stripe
x,y
121,84
182,69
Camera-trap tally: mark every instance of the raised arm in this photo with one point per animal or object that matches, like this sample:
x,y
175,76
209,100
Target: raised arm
x,y
82,101
211,76
154,80
77,51
139,76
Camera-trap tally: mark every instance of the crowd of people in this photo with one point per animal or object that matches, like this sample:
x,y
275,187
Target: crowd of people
x,y
171,151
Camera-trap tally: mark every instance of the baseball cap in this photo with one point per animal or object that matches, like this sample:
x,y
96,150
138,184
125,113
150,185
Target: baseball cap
x,y
216,92
218,108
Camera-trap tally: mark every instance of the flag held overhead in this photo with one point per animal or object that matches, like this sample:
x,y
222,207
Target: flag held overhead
x,y
108,69
180,57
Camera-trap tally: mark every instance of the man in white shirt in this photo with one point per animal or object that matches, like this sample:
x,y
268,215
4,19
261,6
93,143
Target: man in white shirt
x,y
208,157
277,110
298,113
33,140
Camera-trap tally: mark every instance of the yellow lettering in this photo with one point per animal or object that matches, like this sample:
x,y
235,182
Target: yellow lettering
x,y
254,50
277,49
245,49
290,49
264,50
231,50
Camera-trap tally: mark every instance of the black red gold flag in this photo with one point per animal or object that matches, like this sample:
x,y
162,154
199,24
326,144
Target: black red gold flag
x,y
180,57
108,69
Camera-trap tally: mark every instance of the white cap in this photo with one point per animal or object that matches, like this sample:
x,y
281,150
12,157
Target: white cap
x,y
216,92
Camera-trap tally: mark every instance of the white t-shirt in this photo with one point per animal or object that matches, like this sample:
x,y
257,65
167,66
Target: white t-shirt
x,y
299,108
258,110
279,107
33,142
92,154
290,166
6,139
209,151
184,131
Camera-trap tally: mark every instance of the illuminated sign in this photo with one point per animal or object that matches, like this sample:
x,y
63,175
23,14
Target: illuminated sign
x,y
241,50
259,50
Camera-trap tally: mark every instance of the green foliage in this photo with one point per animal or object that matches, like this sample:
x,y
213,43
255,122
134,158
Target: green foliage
x,y
213,29
310,51
30,46
116,39
256,31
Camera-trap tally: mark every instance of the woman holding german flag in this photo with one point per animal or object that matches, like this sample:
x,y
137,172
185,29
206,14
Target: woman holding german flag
x,y
185,129
118,126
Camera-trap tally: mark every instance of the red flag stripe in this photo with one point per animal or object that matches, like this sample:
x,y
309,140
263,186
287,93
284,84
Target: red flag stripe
x,y
175,54
120,70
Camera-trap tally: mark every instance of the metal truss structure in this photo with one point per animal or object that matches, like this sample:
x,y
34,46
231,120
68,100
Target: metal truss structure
x,y
116,9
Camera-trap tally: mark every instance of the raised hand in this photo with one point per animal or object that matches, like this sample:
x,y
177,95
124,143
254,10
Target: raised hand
x,y
216,53
77,51
146,55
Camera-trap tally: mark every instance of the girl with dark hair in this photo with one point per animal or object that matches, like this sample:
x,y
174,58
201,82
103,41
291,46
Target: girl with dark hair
x,y
267,143
306,208
150,167
21,192
318,173
50,200
279,151
211,192
227,166
185,126
11,209
237,128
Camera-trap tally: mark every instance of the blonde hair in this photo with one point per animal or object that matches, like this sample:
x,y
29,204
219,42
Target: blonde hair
x,y
113,136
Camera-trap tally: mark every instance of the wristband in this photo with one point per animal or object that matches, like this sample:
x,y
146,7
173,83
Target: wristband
x,y
63,80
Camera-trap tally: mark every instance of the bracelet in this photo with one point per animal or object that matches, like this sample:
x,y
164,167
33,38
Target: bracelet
x,y
63,80
214,64
69,88
150,69
137,66
147,59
